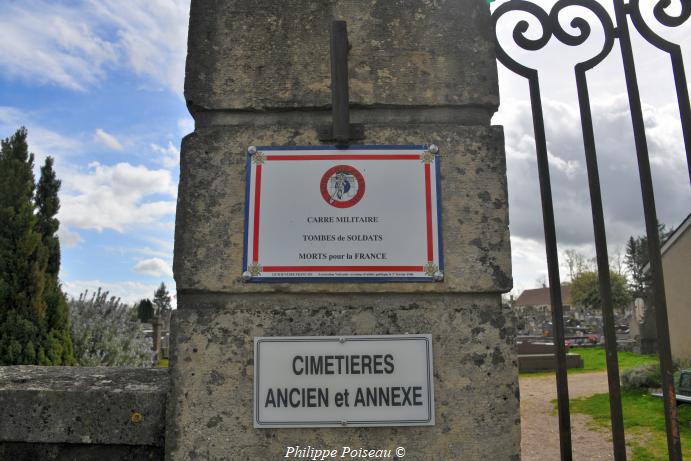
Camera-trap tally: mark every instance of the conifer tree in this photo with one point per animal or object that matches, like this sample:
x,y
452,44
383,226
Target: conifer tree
x,y
23,259
34,321
636,259
145,310
48,204
161,300
58,341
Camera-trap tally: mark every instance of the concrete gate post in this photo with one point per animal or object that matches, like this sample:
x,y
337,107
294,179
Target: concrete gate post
x,y
421,71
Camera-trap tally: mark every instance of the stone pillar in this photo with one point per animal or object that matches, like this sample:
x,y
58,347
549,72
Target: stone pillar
x,y
421,71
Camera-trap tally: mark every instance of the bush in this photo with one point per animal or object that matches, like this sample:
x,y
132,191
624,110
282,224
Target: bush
x,y
642,378
645,377
104,334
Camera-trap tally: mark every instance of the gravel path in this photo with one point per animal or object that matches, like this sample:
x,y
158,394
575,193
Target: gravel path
x,y
540,427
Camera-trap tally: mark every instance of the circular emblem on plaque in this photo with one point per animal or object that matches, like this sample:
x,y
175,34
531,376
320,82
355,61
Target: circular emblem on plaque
x,y
342,186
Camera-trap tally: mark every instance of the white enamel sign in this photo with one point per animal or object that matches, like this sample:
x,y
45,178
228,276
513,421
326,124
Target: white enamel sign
x,y
324,381
368,213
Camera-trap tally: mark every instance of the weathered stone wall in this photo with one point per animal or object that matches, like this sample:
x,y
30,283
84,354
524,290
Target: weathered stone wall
x,y
56,413
211,206
271,54
475,389
422,71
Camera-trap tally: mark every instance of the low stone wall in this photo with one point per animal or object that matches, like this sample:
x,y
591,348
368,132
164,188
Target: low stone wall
x,y
545,362
56,413
535,348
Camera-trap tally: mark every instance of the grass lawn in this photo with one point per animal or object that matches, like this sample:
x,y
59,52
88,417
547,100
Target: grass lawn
x,y
594,360
644,423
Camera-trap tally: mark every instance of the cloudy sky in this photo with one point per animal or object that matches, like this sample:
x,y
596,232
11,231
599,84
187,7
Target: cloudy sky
x,y
98,83
614,142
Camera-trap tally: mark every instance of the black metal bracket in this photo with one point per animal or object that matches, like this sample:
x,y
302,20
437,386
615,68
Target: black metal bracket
x,y
341,130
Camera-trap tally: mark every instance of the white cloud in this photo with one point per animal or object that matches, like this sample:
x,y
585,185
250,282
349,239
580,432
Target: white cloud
x,y
107,139
170,155
129,292
52,43
154,267
74,45
152,35
616,161
614,143
148,251
69,238
117,197
185,126
160,247
42,141
10,115
529,256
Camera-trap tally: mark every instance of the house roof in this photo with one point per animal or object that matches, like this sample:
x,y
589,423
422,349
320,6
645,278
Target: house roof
x,y
671,240
541,297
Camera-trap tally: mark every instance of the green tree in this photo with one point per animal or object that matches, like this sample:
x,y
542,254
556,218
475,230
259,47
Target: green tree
x,y
162,309
576,263
33,315
585,290
145,310
58,339
161,300
23,259
636,259
48,204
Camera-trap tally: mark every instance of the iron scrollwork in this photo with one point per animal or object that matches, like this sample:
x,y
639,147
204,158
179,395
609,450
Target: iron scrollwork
x,y
551,26
578,35
667,19
664,18
674,50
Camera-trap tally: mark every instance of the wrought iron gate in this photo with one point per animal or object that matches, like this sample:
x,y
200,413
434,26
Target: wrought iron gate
x,y
615,28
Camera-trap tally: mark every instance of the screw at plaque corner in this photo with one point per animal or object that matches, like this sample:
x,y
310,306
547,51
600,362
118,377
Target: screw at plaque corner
x,y
246,276
438,276
344,423
341,340
251,150
433,149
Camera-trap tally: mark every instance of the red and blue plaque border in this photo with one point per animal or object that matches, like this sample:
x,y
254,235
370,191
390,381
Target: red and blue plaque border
x,y
250,260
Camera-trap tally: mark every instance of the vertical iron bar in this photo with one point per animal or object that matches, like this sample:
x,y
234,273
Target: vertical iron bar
x,y
618,437
674,51
552,269
339,81
659,301
683,101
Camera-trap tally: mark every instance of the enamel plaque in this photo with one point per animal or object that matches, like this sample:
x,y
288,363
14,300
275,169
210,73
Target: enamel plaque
x,y
343,213
326,381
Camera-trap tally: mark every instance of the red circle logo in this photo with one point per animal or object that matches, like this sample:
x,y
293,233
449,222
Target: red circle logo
x,y
342,186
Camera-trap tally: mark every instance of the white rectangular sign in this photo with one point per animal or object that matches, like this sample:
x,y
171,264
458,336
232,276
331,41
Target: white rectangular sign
x,y
343,213
324,381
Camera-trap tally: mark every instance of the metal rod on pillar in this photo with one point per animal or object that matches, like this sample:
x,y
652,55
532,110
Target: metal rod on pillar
x,y
340,130
339,82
